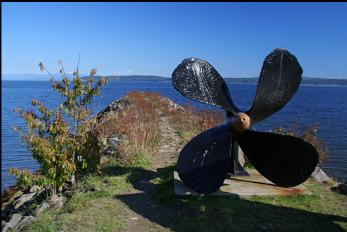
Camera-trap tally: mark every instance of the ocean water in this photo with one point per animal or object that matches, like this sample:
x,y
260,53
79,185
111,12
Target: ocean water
x,y
312,104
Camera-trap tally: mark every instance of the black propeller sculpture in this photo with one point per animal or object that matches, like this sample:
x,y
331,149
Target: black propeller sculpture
x,y
204,162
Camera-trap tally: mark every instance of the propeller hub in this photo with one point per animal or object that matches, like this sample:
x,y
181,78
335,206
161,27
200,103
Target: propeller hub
x,y
240,122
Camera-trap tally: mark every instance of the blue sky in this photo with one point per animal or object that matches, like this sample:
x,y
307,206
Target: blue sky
x,y
153,38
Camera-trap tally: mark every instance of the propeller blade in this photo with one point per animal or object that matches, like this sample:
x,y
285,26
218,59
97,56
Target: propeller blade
x,y
204,162
196,79
279,79
285,160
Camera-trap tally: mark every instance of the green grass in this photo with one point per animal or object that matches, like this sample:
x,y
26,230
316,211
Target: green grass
x,y
91,207
322,211
106,208
185,135
141,159
97,214
45,223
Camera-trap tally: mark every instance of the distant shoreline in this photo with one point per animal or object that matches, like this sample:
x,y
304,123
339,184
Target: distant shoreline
x,y
236,80
253,80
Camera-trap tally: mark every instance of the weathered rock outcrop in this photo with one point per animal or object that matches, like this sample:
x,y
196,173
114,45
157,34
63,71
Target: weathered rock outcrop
x,y
23,199
320,176
113,107
15,219
8,200
16,208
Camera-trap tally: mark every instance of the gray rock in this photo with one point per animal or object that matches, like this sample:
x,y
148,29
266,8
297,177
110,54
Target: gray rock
x,y
13,222
115,141
24,198
112,146
320,176
115,106
17,194
40,208
35,188
24,222
56,202
172,105
8,193
14,196
3,223
110,151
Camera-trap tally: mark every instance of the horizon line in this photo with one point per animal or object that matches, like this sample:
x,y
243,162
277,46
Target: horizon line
x,y
47,75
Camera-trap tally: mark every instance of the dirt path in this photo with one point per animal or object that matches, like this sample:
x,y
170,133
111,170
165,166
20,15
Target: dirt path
x,y
141,197
169,146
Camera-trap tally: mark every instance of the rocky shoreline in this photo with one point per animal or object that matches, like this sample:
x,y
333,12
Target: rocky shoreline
x,y
19,206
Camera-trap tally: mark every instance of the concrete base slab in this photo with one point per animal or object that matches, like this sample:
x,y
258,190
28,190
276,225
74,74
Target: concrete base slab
x,y
243,186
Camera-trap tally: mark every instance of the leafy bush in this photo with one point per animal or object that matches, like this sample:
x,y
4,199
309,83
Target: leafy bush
x,y
62,140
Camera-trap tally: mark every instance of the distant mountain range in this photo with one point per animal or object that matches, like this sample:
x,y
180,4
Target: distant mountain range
x,y
251,80
137,78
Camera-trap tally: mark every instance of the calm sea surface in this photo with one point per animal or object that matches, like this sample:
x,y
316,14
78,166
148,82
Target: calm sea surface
x,y
325,105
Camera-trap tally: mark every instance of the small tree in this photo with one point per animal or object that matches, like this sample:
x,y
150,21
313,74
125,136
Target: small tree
x,y
62,140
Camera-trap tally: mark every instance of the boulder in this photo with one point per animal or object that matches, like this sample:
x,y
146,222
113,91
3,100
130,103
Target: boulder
x,y
172,105
8,193
115,106
24,222
9,201
56,202
24,198
15,219
40,208
109,151
111,148
320,176
35,188
115,141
